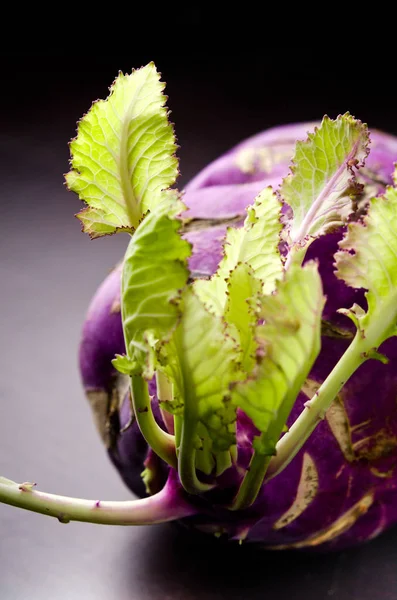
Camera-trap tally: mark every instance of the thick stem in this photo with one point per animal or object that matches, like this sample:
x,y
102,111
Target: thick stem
x,y
187,460
161,442
252,481
315,409
166,505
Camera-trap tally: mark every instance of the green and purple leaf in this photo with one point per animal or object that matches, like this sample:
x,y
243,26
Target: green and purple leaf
x,y
322,185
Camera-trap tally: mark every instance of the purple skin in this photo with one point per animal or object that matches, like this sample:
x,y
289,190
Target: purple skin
x,y
341,489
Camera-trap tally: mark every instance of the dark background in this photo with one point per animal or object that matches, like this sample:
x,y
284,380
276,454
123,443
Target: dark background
x,y
48,273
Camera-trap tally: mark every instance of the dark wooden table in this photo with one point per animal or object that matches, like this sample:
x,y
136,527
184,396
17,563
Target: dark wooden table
x,y
48,272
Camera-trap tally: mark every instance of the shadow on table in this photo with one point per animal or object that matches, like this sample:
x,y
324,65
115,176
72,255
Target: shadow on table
x,y
174,564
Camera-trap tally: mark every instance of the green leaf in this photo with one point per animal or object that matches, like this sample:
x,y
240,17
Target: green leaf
x,y
202,362
256,244
124,154
154,274
124,364
368,259
322,183
242,312
289,342
97,223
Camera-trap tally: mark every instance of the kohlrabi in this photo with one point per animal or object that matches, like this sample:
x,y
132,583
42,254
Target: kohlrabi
x,y
240,361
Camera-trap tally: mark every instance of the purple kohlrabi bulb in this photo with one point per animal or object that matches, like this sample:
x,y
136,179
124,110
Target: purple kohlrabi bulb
x,y
341,488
